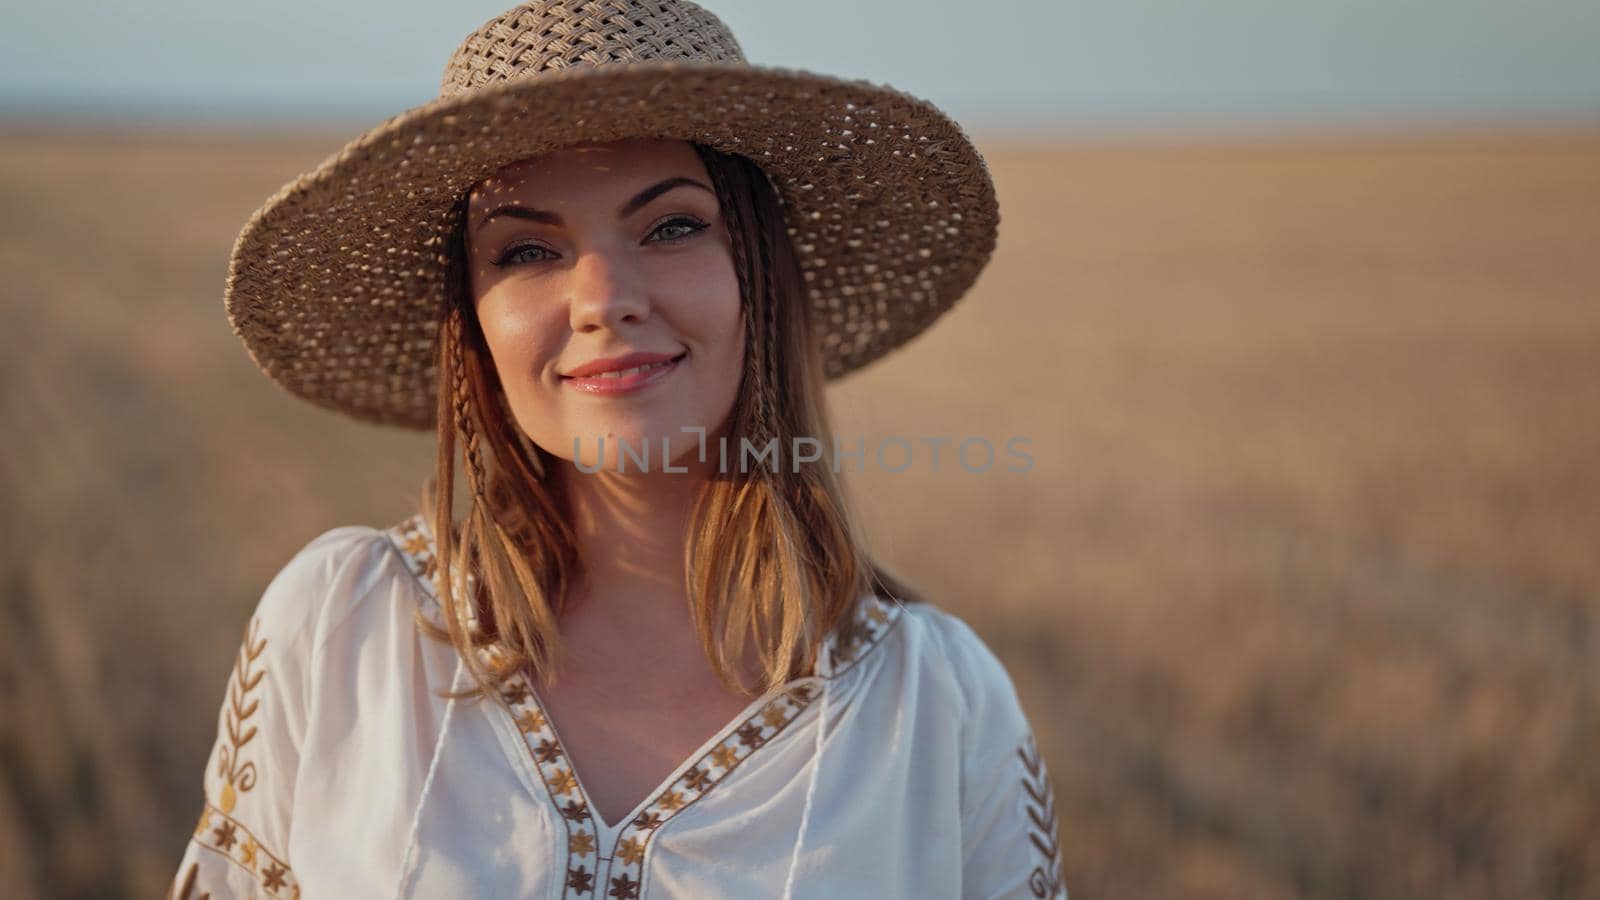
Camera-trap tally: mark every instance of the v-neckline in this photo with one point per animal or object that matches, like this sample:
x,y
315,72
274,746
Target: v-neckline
x,y
730,728
608,858
776,709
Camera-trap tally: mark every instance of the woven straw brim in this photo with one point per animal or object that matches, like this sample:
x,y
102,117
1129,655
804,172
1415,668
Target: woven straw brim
x,y
336,284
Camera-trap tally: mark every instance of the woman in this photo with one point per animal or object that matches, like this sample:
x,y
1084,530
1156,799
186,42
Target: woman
x,y
607,262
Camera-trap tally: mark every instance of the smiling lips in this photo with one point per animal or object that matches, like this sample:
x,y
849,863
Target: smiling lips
x,y
622,374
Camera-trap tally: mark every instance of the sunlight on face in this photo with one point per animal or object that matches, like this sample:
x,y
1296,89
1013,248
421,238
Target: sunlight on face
x,y
569,266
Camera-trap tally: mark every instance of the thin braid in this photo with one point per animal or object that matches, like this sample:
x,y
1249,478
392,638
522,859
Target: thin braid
x,y
460,393
756,334
769,356
476,477
739,232
769,300
480,515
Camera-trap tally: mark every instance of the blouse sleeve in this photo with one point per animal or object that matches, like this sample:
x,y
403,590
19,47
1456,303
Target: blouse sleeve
x,y
240,841
1009,840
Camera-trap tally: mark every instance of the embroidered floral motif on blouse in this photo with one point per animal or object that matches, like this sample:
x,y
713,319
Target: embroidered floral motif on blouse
x,y
591,871
217,830
220,832
1045,879
239,775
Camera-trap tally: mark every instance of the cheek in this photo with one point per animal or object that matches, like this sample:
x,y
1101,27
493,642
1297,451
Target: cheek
x,y
521,340
721,331
709,307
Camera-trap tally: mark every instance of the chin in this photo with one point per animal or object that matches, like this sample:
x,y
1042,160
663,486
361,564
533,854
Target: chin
x,y
632,448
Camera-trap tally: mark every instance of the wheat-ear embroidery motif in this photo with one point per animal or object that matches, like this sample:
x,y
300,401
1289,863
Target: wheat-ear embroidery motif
x,y
1045,880
240,776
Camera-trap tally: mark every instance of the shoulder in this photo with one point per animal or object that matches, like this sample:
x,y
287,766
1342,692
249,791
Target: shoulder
x,y
956,659
324,582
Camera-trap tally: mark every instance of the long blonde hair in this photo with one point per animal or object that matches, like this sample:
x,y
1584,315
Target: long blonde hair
x,y
776,557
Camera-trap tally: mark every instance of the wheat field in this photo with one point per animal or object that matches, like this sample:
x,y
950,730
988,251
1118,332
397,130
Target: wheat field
x,y
1300,592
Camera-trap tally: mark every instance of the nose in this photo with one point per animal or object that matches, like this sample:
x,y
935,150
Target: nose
x,y
605,292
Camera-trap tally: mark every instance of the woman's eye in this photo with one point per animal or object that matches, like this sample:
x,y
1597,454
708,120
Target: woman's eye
x,y
678,227
517,254
674,229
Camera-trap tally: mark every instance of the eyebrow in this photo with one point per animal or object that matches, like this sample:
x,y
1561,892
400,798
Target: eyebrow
x,y
623,211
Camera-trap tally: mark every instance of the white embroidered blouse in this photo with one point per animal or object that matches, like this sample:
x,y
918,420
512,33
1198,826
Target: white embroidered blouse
x,y
905,767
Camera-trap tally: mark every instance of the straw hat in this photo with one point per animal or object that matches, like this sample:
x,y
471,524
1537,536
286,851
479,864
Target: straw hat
x,y
336,284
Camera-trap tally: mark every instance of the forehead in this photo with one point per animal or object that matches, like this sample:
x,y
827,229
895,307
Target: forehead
x,y
588,166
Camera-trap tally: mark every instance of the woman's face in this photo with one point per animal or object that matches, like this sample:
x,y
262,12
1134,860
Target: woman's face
x,y
595,252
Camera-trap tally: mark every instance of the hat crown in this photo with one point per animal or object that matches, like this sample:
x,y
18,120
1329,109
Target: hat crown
x,y
534,38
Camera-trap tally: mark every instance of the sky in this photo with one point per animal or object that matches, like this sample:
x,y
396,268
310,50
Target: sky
x,y
1051,65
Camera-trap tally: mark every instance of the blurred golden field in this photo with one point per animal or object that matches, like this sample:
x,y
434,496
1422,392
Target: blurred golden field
x,y
1301,593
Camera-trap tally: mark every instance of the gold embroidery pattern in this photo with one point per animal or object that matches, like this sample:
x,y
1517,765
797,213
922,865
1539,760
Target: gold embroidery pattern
x,y
1045,880
697,781
421,557
418,550
854,636
218,831
583,859
237,775
621,876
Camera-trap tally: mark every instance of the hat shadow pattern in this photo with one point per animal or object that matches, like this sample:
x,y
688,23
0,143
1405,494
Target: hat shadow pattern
x,y
336,284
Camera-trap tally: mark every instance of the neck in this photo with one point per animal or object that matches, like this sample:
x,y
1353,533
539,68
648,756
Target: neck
x,y
631,529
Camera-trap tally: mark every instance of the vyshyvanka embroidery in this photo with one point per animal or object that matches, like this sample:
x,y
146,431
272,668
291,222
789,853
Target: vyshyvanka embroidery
x,y
238,775
217,830
621,874
417,548
1045,879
